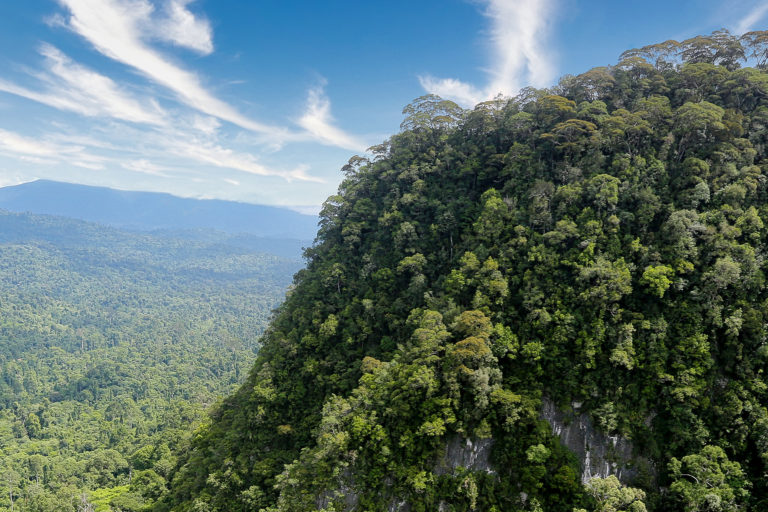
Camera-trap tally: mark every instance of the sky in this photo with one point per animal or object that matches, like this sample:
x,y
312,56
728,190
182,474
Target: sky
x,y
263,101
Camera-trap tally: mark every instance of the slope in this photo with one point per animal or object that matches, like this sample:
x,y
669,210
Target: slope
x,y
595,249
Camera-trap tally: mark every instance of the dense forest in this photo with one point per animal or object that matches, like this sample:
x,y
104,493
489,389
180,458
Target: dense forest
x,y
112,346
600,246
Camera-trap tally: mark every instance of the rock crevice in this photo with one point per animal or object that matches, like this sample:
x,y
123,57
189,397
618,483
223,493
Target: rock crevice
x,y
599,455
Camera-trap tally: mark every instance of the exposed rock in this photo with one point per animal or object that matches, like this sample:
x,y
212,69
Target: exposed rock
x,y
472,454
345,491
399,505
460,452
600,455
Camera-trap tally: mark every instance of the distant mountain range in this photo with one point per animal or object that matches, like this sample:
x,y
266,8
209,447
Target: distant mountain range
x,y
150,211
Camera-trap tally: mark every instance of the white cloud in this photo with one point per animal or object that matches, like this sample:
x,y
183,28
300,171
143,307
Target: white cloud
x,y
127,31
75,88
117,29
519,55
182,28
519,29
121,30
35,160
218,156
451,88
318,122
144,166
748,22
154,146
47,153
15,143
206,124
68,137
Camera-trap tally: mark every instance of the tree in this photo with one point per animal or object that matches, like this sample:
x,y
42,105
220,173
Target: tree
x,y
431,111
11,478
612,496
36,464
756,43
708,481
697,123
657,278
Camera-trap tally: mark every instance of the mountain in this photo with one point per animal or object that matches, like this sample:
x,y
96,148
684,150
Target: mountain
x,y
150,211
112,345
550,302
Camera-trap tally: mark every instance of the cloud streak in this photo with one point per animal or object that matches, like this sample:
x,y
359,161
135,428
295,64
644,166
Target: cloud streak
x,y
117,30
44,152
75,88
519,54
746,23
153,150
182,28
318,122
138,135
218,156
144,166
451,88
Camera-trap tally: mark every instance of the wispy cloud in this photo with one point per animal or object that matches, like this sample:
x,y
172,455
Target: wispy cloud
x,y
451,88
182,28
318,121
123,30
747,23
519,54
154,150
75,88
44,152
18,144
218,156
134,133
144,166
206,124
118,30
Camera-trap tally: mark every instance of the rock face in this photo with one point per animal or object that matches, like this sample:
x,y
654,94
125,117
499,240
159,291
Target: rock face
x,y
346,492
472,454
600,455
460,452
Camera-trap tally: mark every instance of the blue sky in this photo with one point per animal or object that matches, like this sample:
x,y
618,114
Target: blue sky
x,y
263,101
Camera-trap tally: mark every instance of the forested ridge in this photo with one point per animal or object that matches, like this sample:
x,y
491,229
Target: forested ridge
x,y
112,346
600,243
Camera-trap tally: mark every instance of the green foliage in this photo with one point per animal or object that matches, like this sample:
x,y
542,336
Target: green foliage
x,y
611,496
599,242
657,279
112,346
708,481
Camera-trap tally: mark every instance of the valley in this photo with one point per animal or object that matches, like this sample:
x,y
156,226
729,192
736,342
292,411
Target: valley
x,y
113,344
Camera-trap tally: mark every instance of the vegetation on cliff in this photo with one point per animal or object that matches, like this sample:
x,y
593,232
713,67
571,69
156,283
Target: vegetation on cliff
x,y
602,241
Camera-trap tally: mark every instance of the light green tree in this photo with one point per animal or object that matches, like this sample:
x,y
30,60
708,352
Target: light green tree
x,y
708,481
611,496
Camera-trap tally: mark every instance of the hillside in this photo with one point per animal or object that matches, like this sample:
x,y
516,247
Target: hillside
x,y
112,346
151,211
591,256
